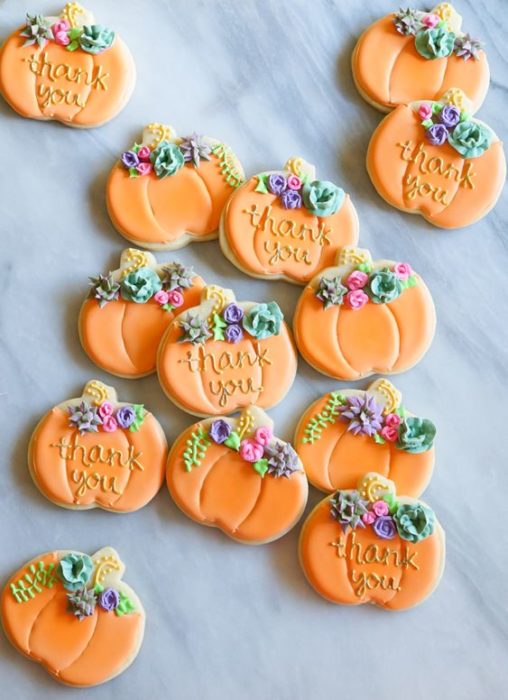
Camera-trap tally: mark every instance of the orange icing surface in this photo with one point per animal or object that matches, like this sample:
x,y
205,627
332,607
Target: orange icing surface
x,y
273,242
378,338
60,472
339,578
225,491
122,337
80,653
158,212
52,95
416,178
337,459
389,71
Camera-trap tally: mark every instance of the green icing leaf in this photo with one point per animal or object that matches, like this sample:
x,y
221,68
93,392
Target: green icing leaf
x,y
218,326
262,186
364,267
401,411
436,108
75,33
427,123
329,414
98,588
464,117
125,606
261,467
379,439
140,412
392,502
133,172
136,147
167,307
72,46
196,448
233,441
412,281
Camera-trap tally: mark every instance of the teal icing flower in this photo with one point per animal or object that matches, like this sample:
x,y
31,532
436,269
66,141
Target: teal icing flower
x,y
322,198
435,43
383,286
74,570
95,38
263,320
140,285
414,521
416,435
470,139
167,159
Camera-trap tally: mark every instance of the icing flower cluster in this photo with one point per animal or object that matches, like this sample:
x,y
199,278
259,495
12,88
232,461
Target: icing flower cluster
x,y
167,157
433,35
364,284
92,39
90,419
75,572
320,197
388,518
261,321
446,123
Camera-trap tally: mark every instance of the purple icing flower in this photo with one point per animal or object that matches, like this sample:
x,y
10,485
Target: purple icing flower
x,y
449,116
220,430
437,134
363,413
384,527
233,313
109,599
130,159
276,183
291,199
125,416
233,333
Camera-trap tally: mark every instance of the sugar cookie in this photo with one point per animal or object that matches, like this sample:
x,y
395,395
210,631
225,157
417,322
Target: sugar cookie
x,y
128,310
371,545
364,317
286,224
94,452
168,191
74,615
224,355
346,429
66,68
412,55
234,474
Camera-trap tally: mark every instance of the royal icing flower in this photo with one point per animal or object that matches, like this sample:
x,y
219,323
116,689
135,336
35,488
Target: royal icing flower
x,y
144,168
125,416
435,43
384,527
74,570
389,433
109,424
263,435
263,320
140,285
357,299
161,297
437,134
322,198
95,38
384,286
380,508
250,450
109,599
233,333
369,517
144,153
403,270
293,182
60,30
449,116
129,159
470,139
175,298
425,111
357,280
220,430
233,313
105,409
276,183
430,20
416,435
167,159
414,522
291,199
393,420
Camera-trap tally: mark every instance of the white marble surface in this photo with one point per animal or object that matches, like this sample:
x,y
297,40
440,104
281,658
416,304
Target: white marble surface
x,y
226,621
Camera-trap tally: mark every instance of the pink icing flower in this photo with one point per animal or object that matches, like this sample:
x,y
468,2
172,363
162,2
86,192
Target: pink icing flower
x,y
369,517
403,270
144,153
389,433
293,182
144,168
357,280
356,299
175,298
60,30
380,508
393,420
109,424
430,20
161,297
105,409
425,111
250,450
263,435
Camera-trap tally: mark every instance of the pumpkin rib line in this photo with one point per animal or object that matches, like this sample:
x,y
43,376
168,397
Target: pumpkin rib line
x,y
329,465
432,217
395,60
34,622
35,84
399,334
115,501
212,465
209,194
341,352
251,512
66,668
124,314
151,211
349,568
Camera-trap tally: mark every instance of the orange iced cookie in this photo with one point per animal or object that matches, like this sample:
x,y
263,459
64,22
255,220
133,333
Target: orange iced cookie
x,y
347,429
74,615
286,224
368,545
168,191
95,452
66,68
364,317
234,474
411,55
127,311
435,159
224,355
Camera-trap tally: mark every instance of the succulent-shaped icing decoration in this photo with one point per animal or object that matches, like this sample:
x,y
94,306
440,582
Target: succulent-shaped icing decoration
x,y
176,275
140,285
37,30
167,159
282,459
195,148
348,508
263,320
104,288
416,434
466,47
407,21
195,329
95,38
84,417
82,602
364,414
414,521
331,291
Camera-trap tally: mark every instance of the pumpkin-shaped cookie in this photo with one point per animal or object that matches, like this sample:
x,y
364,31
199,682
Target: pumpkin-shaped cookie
x,y
224,355
167,191
66,68
346,429
94,452
371,545
287,224
435,159
234,474
364,317
128,310
411,55
74,615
